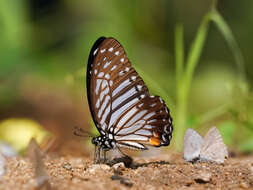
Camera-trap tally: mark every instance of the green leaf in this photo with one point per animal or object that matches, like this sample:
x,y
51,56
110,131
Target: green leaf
x,y
184,85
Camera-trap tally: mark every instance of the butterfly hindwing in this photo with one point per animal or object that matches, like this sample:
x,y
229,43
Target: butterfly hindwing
x,y
213,147
146,122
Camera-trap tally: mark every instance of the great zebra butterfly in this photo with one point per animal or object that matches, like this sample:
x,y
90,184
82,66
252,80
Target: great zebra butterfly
x,y
124,112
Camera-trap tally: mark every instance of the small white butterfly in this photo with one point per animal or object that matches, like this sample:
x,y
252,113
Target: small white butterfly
x,y
212,148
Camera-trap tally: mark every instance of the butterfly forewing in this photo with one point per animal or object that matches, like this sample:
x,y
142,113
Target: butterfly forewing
x,y
112,82
120,102
192,144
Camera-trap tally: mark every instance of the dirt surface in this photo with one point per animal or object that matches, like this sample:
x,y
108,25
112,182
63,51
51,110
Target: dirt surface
x,y
165,172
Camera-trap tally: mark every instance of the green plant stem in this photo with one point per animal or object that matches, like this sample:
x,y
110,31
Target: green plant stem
x,y
214,4
195,52
179,46
179,59
229,37
12,18
185,83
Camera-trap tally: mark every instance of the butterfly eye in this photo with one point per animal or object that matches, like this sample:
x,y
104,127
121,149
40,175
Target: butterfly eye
x,y
122,109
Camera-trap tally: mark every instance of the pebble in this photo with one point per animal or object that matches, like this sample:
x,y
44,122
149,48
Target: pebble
x,y
203,177
122,180
119,166
126,182
244,185
67,166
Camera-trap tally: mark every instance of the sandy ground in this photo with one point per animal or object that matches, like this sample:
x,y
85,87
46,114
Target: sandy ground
x,y
165,172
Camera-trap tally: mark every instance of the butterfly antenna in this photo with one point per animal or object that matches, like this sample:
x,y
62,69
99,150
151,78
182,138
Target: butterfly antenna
x,y
81,132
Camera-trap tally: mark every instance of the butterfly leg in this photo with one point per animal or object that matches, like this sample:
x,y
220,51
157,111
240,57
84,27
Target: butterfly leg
x,y
97,155
101,156
105,157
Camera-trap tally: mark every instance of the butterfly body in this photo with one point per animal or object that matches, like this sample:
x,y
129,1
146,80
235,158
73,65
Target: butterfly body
x,y
104,142
124,112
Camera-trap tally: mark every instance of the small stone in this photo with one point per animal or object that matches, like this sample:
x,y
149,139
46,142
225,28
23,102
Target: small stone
x,y
126,182
188,182
227,173
122,180
67,166
244,185
203,177
119,166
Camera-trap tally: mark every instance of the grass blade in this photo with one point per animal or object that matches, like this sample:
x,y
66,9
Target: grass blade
x,y
184,85
179,51
229,37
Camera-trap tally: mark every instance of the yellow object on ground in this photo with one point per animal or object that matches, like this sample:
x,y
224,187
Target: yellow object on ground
x,y
17,132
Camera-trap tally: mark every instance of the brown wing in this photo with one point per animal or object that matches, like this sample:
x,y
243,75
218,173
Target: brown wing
x,y
114,88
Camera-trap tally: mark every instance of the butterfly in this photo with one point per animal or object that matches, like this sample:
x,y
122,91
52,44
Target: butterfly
x,y
211,148
124,112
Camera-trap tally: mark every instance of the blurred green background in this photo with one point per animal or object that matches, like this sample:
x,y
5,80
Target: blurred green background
x,y
44,47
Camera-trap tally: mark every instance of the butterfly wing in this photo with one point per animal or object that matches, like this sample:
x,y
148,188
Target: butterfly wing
x,y
108,87
115,90
145,122
90,75
192,145
213,148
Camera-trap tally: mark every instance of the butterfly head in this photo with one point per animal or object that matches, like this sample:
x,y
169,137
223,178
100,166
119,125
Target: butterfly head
x,y
95,141
104,142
